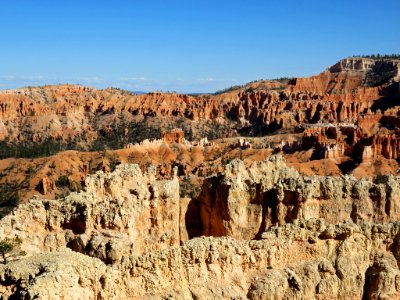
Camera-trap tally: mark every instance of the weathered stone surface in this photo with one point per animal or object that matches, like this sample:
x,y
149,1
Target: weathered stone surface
x,y
350,112
243,203
58,275
339,94
272,234
119,213
290,262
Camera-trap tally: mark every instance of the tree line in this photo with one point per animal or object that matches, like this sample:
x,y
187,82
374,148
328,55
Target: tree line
x,y
378,56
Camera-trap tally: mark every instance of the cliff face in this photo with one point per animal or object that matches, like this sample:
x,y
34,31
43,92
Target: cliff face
x,y
307,260
83,115
244,203
119,213
283,236
349,114
86,118
196,226
375,72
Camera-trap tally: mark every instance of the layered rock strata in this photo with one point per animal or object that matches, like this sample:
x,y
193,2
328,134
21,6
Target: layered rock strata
x,y
341,93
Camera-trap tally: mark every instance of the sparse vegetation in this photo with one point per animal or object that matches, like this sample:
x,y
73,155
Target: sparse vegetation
x,y
229,89
216,131
9,197
33,150
113,160
378,56
283,79
137,132
30,171
10,248
62,181
250,89
115,140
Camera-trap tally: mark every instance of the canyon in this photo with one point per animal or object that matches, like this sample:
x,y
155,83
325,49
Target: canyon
x,y
82,115
278,189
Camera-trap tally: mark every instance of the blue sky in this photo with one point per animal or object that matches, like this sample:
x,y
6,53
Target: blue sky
x,y
186,46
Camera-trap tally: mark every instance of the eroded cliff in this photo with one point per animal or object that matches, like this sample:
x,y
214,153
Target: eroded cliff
x,y
273,234
245,202
86,118
119,213
203,224
306,260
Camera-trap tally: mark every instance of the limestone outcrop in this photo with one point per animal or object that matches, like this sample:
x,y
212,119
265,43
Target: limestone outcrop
x,y
306,260
190,220
119,213
245,202
272,234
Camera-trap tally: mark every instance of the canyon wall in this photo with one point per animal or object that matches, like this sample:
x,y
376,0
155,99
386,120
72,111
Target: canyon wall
x,y
273,234
69,113
309,260
254,230
245,202
123,212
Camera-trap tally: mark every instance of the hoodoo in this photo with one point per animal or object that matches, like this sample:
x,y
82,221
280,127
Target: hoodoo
x,y
278,189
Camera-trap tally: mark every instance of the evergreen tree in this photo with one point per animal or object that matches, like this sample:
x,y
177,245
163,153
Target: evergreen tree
x,y
10,248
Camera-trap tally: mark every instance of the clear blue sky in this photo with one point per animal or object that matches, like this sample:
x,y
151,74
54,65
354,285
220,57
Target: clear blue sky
x,y
186,46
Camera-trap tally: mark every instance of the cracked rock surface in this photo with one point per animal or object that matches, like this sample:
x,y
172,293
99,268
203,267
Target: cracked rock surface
x,y
266,233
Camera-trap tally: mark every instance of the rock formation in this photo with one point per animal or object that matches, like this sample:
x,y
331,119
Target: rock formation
x,y
174,136
67,113
349,106
244,203
306,260
273,234
190,220
118,213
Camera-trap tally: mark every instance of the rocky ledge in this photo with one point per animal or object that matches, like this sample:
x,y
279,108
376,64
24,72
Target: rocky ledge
x,y
306,260
263,232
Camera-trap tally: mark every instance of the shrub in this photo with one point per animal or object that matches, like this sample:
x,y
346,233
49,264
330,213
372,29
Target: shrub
x,y
10,248
9,193
62,181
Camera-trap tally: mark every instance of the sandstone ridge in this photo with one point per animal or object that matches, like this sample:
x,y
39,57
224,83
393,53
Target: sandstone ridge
x,y
244,202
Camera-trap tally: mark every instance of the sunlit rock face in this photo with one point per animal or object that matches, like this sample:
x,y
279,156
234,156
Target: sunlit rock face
x,y
256,230
343,92
123,212
273,234
244,203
